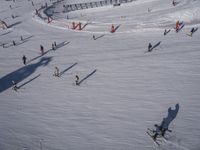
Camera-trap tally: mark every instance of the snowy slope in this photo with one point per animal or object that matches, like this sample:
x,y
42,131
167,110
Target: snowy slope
x,y
130,91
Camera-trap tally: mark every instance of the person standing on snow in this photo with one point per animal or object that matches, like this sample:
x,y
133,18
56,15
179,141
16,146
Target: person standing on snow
x,y
53,47
24,59
177,25
42,49
14,85
93,37
149,47
77,80
56,72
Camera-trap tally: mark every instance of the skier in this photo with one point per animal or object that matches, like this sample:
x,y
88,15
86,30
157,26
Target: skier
x,y
177,26
21,37
192,30
160,130
173,3
36,12
165,32
24,59
149,47
42,49
112,29
14,85
53,47
93,37
14,43
55,44
56,72
77,80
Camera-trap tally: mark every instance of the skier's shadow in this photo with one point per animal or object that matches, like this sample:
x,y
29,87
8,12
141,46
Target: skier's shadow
x,y
85,26
62,72
6,33
22,73
14,24
171,116
38,56
156,45
87,77
99,37
25,83
29,37
62,44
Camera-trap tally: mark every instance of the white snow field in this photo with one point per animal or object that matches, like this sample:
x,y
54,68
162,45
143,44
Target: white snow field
x,y
124,89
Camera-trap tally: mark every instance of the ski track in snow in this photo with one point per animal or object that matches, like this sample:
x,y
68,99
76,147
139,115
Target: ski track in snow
x,y
124,89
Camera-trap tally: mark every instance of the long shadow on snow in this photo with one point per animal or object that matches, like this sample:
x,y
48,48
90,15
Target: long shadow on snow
x,y
6,33
22,73
99,36
61,73
38,56
25,83
14,24
29,37
87,76
170,117
156,45
62,44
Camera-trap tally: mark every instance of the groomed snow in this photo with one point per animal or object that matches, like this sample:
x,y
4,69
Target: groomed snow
x,y
112,108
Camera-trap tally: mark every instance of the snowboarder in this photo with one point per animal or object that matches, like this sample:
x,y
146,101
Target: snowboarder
x,y
24,59
56,72
77,80
42,49
192,31
149,47
14,85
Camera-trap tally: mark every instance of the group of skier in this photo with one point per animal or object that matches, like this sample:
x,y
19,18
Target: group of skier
x,y
58,74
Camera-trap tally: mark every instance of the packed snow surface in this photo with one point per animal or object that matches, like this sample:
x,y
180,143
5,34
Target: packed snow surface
x,y
124,89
